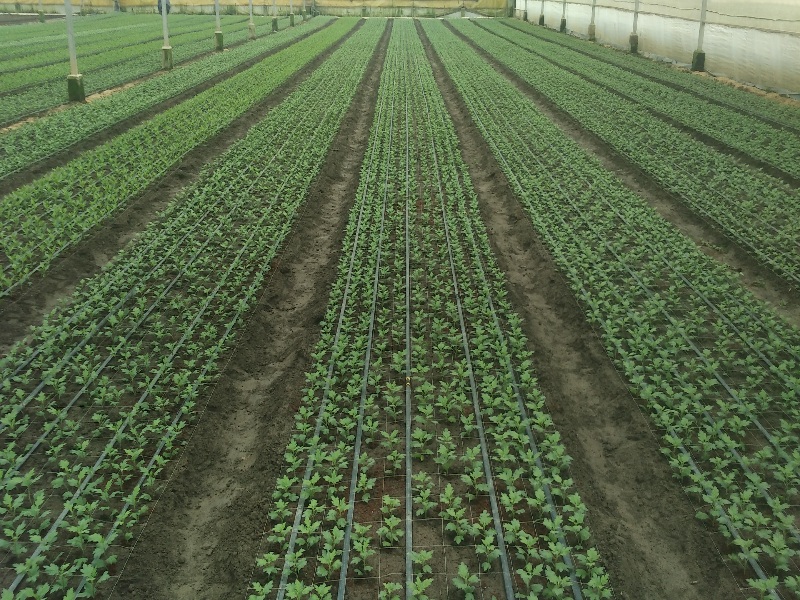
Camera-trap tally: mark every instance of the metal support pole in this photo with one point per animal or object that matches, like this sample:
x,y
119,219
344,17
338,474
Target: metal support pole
x,y
251,26
304,10
274,16
699,56
592,30
218,44
634,39
541,14
291,13
166,51
563,26
75,90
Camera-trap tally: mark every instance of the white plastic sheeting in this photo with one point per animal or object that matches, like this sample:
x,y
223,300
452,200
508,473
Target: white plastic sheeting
x,y
753,41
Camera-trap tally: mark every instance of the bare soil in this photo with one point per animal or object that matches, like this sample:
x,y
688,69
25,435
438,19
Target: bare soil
x,y
640,517
35,171
720,146
753,275
26,308
205,531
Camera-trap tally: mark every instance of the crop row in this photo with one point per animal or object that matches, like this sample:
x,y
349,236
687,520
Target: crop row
x,y
704,87
768,143
54,33
33,99
39,139
95,399
716,369
423,463
41,220
40,67
755,210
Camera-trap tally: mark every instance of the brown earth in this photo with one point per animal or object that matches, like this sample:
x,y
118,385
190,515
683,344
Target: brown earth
x,y
38,169
641,519
26,307
753,275
206,529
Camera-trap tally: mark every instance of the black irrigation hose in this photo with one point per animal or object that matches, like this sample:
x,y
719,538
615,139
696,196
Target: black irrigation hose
x,y
521,191
508,584
409,516
219,199
675,86
326,390
365,381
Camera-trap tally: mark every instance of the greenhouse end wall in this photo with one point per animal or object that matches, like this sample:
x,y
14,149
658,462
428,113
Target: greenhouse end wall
x,y
752,42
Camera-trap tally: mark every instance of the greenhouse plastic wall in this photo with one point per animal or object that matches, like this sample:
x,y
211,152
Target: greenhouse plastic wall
x,y
756,42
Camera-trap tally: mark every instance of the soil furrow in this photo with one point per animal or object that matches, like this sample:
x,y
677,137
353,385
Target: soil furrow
x,y
719,145
676,86
753,275
640,518
62,157
206,529
27,306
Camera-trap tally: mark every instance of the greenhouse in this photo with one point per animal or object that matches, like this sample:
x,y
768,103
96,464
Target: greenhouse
x,y
400,299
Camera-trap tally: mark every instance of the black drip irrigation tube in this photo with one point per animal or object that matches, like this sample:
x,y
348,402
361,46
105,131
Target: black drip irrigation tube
x,y
508,584
723,515
365,379
326,389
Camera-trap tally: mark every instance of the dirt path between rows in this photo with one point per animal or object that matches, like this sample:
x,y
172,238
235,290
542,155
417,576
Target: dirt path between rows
x,y
27,307
640,518
42,167
754,276
743,158
205,532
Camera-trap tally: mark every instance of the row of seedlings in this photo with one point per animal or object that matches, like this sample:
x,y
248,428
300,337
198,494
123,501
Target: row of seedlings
x,y
715,367
756,210
753,105
40,221
36,96
423,463
95,399
770,144
36,140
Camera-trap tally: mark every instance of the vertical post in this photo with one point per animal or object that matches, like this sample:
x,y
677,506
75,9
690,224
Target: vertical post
x,y
274,16
304,10
699,56
291,14
592,30
541,14
166,50
75,90
563,26
634,39
218,45
251,27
